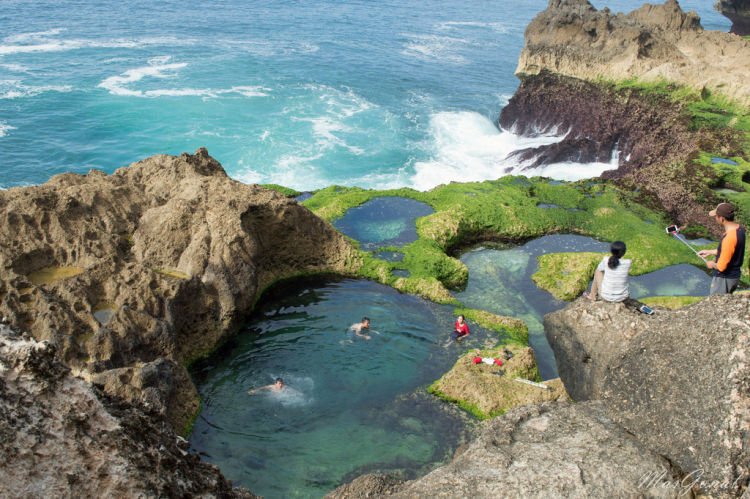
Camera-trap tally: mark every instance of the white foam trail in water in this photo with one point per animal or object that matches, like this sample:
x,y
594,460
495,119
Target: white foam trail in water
x,y
494,26
162,68
15,89
47,41
434,48
266,48
5,128
466,146
15,68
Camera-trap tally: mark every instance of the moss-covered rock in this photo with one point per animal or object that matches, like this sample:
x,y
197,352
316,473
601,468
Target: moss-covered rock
x,y
426,287
671,302
566,275
487,391
511,330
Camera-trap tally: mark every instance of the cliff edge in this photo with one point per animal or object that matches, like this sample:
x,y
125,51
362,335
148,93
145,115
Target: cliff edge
x,y
738,11
654,42
134,275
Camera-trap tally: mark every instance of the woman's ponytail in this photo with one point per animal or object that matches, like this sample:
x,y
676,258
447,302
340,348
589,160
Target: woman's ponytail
x,y
618,251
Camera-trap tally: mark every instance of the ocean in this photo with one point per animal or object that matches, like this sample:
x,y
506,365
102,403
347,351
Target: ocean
x,y
376,94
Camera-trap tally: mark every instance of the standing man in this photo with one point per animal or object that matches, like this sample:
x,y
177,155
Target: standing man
x,y
730,253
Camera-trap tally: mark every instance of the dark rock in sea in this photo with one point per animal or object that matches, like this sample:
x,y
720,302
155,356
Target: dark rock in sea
x,y
62,438
555,449
174,248
679,381
738,11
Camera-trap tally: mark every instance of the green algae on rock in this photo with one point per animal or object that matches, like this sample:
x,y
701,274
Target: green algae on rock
x,y
671,302
511,329
566,275
487,391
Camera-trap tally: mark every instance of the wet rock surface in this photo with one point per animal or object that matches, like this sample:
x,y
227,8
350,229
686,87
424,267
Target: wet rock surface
x,y
59,437
679,381
177,250
555,449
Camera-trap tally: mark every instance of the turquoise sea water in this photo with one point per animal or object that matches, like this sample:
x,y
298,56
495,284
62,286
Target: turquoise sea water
x,y
305,94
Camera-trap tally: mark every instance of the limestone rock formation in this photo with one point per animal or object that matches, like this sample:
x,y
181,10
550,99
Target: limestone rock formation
x,y
679,381
738,11
554,449
572,38
133,275
61,438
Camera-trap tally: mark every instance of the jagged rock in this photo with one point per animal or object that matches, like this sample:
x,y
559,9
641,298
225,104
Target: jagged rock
x,y
174,251
679,381
653,42
59,438
738,11
554,449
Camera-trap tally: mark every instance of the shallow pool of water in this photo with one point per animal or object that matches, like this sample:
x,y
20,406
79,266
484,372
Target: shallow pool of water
x,y
500,282
386,221
351,405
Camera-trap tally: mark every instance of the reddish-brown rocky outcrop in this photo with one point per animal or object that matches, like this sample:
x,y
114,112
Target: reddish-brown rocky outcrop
x,y
170,250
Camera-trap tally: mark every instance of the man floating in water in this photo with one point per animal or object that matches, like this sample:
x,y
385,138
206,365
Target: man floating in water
x,y
359,326
276,386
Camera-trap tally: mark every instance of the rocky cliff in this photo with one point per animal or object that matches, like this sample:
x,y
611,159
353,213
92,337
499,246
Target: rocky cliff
x,y
654,42
59,437
133,275
572,56
679,381
738,11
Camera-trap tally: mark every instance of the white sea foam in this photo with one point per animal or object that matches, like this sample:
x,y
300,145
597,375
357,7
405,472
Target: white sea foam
x,y
434,48
15,68
466,146
494,26
46,41
5,128
161,68
267,48
15,89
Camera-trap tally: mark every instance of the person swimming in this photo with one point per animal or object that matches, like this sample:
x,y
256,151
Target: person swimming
x,y
276,386
359,326
460,329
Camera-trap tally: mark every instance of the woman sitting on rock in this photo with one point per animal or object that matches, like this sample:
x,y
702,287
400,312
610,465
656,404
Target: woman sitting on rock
x,y
611,277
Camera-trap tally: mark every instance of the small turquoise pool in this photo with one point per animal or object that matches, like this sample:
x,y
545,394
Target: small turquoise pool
x,y
351,405
386,221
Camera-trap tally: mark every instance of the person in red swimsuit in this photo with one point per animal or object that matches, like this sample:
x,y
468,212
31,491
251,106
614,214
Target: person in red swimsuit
x,y
460,329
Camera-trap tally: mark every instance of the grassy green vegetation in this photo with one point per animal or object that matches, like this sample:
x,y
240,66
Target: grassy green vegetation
x,y
671,302
286,191
486,391
566,275
511,330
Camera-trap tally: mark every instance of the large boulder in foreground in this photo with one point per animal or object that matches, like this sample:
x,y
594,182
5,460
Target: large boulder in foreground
x,y
135,274
60,438
555,449
679,381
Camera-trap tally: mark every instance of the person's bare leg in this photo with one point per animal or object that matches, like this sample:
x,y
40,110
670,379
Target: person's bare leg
x,y
596,285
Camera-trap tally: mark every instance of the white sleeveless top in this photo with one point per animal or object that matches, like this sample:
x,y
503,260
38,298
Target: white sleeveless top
x,y
615,282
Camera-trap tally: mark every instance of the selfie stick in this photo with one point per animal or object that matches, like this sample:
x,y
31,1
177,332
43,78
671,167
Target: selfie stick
x,y
676,233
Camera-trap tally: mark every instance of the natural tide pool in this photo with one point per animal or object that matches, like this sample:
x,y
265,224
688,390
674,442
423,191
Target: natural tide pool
x,y
500,282
352,405
385,221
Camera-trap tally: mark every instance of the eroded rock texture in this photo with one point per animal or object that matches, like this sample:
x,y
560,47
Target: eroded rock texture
x,y
61,438
679,381
170,255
